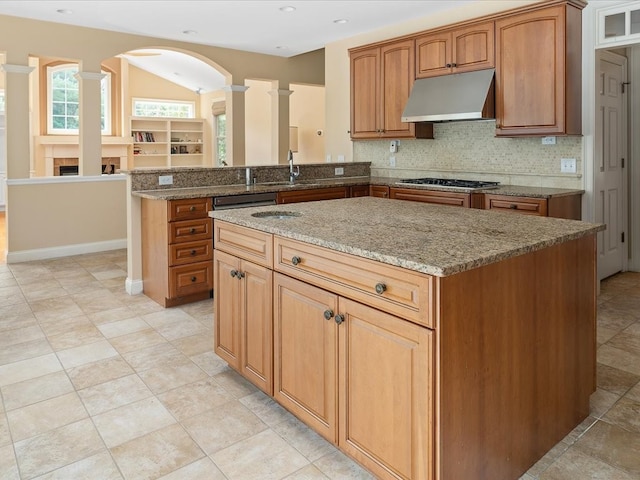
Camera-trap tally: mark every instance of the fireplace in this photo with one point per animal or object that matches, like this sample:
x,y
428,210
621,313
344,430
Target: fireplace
x,y
68,170
69,166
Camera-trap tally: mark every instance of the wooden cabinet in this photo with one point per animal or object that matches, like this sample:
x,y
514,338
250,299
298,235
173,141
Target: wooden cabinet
x,y
359,191
455,51
381,191
356,350
166,142
243,308
566,206
381,81
431,196
539,72
177,250
295,196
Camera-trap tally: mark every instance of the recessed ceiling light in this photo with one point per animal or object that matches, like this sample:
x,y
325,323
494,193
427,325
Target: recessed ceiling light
x,y
288,8
64,11
282,47
177,74
189,32
341,21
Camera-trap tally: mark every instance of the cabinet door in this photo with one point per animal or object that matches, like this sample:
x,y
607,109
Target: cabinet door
x,y
386,392
530,73
433,54
397,77
305,353
381,191
365,93
473,47
227,308
313,195
257,325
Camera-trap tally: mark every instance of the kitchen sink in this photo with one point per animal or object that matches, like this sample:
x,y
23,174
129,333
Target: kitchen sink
x,y
276,214
288,184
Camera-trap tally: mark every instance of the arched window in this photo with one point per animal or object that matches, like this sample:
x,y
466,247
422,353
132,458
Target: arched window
x,y
63,102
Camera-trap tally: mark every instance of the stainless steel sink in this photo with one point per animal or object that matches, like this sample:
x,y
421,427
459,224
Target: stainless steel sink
x,y
287,184
276,214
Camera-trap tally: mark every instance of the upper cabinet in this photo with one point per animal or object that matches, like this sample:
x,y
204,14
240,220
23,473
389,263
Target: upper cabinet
x,y
539,72
381,81
456,50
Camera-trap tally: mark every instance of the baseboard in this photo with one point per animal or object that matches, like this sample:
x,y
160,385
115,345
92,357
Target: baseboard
x,y
65,251
133,287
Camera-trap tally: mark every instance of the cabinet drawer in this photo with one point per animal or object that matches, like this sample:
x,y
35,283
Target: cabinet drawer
x,y
189,208
528,206
190,230
431,196
404,293
190,252
243,242
188,279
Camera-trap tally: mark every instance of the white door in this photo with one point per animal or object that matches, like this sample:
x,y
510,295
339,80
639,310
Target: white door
x,y
610,155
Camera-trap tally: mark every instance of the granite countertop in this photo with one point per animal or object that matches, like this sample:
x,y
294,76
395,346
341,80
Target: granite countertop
x,y
433,239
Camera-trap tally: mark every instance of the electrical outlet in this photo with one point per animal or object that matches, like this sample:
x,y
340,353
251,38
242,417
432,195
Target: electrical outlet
x,y
568,165
392,161
165,180
339,171
328,158
548,140
340,158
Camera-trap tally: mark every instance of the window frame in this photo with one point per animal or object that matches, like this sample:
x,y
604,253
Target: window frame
x,y
189,103
221,161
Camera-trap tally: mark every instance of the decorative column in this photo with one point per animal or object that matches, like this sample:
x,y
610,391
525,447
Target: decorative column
x,y
90,134
280,122
234,99
18,126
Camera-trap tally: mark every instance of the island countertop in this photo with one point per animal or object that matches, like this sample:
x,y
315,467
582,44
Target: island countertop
x,y
433,239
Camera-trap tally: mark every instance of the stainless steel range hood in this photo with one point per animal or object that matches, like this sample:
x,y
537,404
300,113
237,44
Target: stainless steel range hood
x,y
461,96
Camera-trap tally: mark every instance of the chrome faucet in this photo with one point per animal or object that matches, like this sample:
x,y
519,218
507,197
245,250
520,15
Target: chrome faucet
x,y
293,175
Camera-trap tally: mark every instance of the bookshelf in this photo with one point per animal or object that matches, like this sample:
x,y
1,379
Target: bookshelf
x,y
167,142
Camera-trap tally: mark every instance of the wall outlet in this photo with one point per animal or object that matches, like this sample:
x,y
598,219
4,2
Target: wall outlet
x,y
339,171
165,180
392,161
568,165
548,140
329,158
340,158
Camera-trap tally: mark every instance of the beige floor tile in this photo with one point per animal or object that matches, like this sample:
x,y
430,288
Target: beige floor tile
x,y
28,369
337,466
613,445
137,340
266,408
621,359
56,309
222,426
626,414
36,390
606,334
601,401
167,377
210,363
573,465
93,352
132,421
8,465
55,327
615,380
303,439
110,273
628,340
235,384
174,326
16,316
195,344
5,434
202,469
45,294
96,301
24,351
580,430
11,296
99,372
310,472
154,356
123,327
96,467
41,417
76,337
634,393
113,394
264,456
112,315
7,280
613,317
156,454
57,448
21,335
195,398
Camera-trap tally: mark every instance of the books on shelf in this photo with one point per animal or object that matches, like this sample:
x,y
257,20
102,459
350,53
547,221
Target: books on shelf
x,y
143,136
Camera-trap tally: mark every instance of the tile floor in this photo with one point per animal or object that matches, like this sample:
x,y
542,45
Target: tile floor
x,y
96,384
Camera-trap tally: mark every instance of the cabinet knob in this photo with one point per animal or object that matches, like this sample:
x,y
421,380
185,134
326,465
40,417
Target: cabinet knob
x,y
192,230
380,288
328,314
339,319
233,273
192,208
240,275
454,65
448,65
193,279
513,207
296,260
193,252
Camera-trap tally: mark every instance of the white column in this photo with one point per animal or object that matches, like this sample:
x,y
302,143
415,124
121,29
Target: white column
x,y
280,122
234,99
90,135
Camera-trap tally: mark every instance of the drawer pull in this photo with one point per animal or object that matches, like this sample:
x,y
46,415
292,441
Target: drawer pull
x,y
234,273
192,208
193,252
193,279
328,314
339,319
192,230
240,275
380,288
296,260
513,207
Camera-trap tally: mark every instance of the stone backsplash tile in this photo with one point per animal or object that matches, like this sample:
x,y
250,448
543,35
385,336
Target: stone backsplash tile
x,y
471,150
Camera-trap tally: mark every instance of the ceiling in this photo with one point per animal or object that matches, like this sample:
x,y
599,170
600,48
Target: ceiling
x,y
259,26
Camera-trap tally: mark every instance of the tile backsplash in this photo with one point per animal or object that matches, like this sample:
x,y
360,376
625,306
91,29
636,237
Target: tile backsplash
x,y
470,150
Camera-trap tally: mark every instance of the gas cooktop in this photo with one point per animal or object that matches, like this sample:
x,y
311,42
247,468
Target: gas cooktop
x,y
450,183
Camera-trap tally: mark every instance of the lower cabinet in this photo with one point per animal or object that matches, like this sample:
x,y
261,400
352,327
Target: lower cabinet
x,y
564,206
360,377
330,193
431,196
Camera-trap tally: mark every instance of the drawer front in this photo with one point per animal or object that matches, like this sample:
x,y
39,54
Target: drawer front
x,y
190,230
246,243
395,290
528,206
432,196
190,252
189,208
188,279
381,191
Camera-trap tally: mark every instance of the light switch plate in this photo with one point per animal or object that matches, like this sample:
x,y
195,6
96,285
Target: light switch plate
x,y
339,171
568,165
392,161
548,140
165,180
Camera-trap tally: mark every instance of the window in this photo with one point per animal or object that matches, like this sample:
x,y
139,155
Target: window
x,y
221,141
163,108
64,100
1,100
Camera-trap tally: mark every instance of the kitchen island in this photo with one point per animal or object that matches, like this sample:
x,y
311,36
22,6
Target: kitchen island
x,y
425,341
